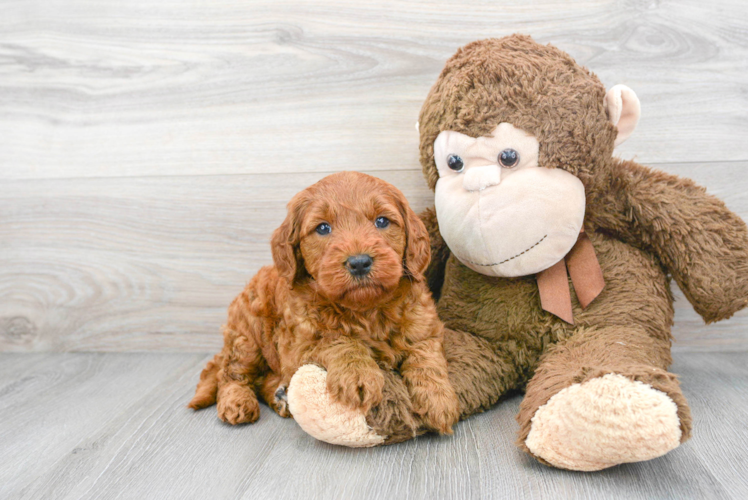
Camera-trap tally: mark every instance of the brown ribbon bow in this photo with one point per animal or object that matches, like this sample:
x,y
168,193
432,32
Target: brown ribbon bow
x,y
586,275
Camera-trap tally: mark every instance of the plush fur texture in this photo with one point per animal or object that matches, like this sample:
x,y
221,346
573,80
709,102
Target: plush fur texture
x,y
310,308
347,426
626,421
646,228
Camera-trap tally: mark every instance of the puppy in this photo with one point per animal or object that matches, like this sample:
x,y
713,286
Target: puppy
x,y
346,292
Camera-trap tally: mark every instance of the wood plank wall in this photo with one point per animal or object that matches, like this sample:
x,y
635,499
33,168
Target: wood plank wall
x,y
148,149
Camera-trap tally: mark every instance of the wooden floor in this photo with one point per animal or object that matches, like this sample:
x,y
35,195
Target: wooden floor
x,y
101,425
147,151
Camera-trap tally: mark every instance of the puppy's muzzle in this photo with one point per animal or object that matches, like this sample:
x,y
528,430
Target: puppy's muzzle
x,y
359,265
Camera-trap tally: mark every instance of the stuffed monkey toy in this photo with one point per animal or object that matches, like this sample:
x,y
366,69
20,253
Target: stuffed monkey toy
x,y
552,262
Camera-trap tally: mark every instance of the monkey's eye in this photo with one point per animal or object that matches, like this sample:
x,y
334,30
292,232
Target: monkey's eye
x,y
382,222
455,163
323,229
508,158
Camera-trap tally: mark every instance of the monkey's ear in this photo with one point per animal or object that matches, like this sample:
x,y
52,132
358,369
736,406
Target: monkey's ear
x,y
623,110
285,242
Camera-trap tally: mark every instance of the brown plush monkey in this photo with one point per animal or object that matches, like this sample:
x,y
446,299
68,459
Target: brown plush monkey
x,y
517,142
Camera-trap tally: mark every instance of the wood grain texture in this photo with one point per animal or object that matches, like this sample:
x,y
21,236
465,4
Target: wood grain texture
x,y
92,88
148,151
138,264
49,404
99,426
151,264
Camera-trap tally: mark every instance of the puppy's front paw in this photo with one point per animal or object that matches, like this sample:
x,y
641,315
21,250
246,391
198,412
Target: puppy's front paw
x,y
237,405
439,410
356,388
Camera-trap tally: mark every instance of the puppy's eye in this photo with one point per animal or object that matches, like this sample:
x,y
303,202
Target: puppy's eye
x,y
382,222
508,158
455,163
323,229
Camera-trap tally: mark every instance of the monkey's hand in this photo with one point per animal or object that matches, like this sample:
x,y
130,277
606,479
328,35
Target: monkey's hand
x,y
703,244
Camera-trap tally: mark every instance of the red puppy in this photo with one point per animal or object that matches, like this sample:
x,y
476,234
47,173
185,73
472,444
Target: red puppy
x,y
346,292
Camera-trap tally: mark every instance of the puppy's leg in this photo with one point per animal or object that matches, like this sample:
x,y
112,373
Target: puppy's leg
x,y
237,404
274,394
205,394
354,379
425,375
243,366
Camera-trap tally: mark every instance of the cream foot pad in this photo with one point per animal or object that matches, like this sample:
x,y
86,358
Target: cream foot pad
x,y
604,422
325,419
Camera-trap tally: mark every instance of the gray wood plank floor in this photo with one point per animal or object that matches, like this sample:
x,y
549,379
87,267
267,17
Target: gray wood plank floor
x,y
109,425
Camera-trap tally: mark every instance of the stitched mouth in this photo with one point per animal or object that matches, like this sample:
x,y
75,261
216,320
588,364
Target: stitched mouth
x,y
510,258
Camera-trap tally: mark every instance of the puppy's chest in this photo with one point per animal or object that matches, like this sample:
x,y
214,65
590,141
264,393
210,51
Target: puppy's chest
x,y
382,336
385,342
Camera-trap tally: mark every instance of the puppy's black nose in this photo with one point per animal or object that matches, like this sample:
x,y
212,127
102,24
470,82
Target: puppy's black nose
x,y
359,265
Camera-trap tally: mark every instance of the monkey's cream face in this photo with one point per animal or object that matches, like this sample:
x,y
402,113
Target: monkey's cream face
x,y
500,213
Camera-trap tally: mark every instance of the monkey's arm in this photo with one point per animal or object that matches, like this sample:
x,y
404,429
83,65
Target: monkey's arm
x,y
702,244
439,253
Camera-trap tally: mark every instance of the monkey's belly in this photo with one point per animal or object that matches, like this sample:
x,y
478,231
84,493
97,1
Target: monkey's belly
x,y
636,294
499,309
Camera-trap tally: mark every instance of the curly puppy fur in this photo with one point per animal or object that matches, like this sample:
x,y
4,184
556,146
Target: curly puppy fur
x,y
310,308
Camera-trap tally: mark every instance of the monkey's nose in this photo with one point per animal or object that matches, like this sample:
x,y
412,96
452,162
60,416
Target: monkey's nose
x,y
359,265
479,178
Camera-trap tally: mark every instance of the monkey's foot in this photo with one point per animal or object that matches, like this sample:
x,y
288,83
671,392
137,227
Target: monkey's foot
x,y
604,422
325,419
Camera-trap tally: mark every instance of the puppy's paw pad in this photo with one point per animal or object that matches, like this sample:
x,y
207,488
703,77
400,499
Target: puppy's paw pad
x,y
280,393
281,401
604,422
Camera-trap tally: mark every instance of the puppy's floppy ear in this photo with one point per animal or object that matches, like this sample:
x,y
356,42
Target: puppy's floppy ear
x,y
417,248
285,241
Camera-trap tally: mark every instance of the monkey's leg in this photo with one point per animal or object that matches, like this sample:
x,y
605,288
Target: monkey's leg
x,y
603,398
479,372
